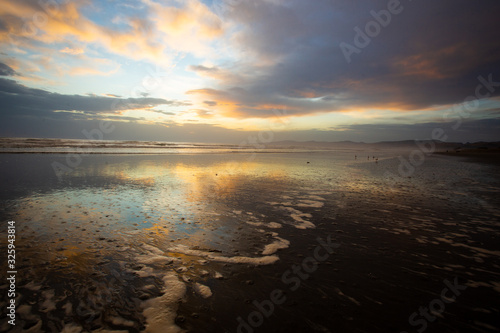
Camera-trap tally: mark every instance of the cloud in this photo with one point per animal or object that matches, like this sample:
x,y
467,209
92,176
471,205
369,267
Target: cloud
x,y
192,17
470,130
130,129
210,103
123,130
6,70
268,30
204,70
73,51
226,75
154,32
187,26
19,100
251,58
430,55
237,102
93,71
27,23
202,113
166,113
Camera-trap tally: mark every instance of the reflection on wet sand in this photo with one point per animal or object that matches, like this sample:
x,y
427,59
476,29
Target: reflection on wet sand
x,y
166,243
147,221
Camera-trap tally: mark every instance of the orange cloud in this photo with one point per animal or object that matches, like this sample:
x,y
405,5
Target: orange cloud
x,y
193,18
188,28
65,23
16,8
93,71
220,74
72,51
306,93
443,63
232,104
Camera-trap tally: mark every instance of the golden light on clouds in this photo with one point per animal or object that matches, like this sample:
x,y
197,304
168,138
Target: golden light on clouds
x,y
233,64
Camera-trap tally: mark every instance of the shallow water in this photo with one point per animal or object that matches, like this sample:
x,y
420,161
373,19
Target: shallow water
x,y
164,243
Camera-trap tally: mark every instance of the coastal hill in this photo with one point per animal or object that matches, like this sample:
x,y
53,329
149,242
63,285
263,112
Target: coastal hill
x,y
440,146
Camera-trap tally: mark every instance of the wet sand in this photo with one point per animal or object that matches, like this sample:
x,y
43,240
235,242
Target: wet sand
x,y
202,243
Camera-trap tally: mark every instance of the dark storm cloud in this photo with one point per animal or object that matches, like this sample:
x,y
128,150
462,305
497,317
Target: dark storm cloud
x,y
430,54
123,130
6,70
468,131
19,100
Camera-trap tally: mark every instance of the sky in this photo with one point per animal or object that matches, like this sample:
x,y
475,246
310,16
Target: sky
x,y
234,71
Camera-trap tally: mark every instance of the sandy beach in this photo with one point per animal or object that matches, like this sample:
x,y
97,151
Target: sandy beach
x,y
292,242
263,166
